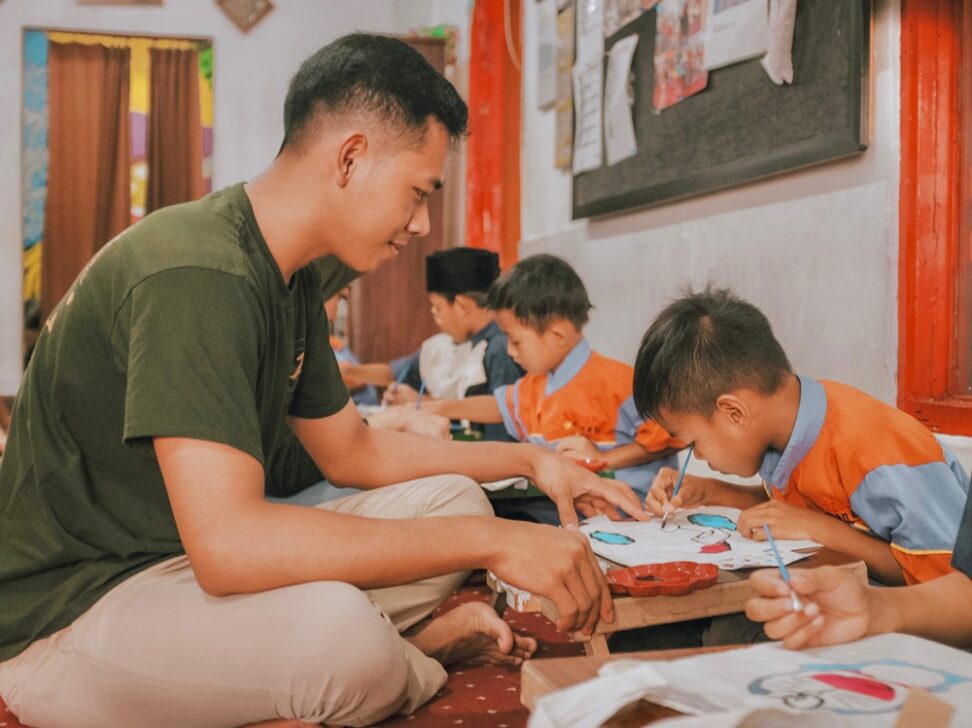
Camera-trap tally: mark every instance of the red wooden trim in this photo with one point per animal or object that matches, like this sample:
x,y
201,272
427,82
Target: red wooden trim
x,y
929,212
493,149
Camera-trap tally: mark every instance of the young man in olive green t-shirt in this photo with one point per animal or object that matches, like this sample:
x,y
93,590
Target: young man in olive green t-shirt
x,y
145,579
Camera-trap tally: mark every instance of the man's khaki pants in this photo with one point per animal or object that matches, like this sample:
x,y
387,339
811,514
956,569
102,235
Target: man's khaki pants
x,y
158,651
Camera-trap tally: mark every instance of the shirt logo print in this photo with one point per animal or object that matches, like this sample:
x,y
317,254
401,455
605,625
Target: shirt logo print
x,y
298,367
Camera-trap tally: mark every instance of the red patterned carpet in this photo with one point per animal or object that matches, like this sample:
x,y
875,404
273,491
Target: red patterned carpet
x,y
482,697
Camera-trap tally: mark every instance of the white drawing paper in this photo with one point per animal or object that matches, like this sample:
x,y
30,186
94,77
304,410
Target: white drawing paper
x,y
706,535
590,31
778,61
619,133
546,54
588,144
864,683
735,30
618,13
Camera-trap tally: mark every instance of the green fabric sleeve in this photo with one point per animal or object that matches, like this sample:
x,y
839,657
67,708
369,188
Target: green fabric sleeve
x,y
193,352
320,391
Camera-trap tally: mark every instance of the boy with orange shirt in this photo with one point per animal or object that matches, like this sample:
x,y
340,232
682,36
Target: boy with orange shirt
x,y
838,466
572,399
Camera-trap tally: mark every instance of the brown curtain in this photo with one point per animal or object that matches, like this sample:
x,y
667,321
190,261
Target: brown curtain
x,y
175,144
89,172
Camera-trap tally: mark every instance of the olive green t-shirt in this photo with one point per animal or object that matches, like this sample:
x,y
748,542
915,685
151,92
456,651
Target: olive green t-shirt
x,y
181,326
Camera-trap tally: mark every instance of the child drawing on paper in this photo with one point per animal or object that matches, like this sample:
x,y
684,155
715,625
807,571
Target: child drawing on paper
x,y
713,531
867,688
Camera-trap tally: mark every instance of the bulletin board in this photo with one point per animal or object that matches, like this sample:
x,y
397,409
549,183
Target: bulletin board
x,y
742,126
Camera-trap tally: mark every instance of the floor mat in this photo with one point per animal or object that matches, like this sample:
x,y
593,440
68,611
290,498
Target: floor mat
x,y
481,697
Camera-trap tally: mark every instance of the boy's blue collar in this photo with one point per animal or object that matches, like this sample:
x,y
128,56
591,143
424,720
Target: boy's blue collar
x,y
777,467
484,333
576,358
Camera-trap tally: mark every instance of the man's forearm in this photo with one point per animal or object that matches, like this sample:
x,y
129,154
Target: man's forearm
x,y
937,610
383,457
299,544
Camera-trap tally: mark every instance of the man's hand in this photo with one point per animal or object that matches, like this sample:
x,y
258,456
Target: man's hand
x,y
691,494
409,419
399,394
572,487
784,520
559,565
838,607
577,447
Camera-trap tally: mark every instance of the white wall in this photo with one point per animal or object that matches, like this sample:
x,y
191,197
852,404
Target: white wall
x,y
251,73
816,250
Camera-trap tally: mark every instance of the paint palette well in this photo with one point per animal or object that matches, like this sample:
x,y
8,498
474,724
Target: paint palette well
x,y
669,579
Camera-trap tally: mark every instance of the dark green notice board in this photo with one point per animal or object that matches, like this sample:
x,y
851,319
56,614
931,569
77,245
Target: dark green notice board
x,y
742,126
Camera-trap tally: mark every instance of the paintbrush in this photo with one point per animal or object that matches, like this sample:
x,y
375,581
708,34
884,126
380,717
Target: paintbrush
x,y
418,402
795,602
678,483
395,385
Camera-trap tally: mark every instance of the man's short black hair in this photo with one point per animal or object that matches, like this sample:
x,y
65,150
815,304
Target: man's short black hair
x,y
702,346
539,289
376,74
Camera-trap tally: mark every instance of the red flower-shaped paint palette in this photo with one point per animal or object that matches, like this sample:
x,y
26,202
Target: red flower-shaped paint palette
x,y
669,579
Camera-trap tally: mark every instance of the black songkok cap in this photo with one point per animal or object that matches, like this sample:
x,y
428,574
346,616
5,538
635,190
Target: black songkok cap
x,y
460,270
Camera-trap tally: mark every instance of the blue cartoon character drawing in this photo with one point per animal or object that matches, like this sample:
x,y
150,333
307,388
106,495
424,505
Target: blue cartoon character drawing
x,y
712,520
866,688
615,539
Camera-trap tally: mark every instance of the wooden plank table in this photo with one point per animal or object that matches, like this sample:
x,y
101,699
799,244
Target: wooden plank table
x,y
728,596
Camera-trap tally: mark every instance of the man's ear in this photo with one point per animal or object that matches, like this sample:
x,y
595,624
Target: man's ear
x,y
734,409
349,154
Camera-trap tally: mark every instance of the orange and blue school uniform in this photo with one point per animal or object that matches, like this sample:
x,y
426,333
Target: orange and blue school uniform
x,y
876,468
589,395
367,395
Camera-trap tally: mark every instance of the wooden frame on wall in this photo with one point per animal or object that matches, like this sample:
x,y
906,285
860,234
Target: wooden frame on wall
x,y
120,2
742,127
930,210
246,13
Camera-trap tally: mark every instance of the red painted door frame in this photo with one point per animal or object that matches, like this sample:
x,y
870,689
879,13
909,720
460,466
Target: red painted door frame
x,y
930,211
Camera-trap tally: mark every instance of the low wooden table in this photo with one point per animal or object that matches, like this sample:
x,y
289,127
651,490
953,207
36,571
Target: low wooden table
x,y
539,677
728,596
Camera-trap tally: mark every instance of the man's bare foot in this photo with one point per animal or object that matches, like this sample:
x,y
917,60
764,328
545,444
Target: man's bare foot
x,y
471,634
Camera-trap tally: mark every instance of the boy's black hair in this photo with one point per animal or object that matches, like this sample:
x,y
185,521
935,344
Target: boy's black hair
x,y
375,74
539,289
702,346
461,271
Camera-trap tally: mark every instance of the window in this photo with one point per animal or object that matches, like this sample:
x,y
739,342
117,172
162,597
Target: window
x,y
935,262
